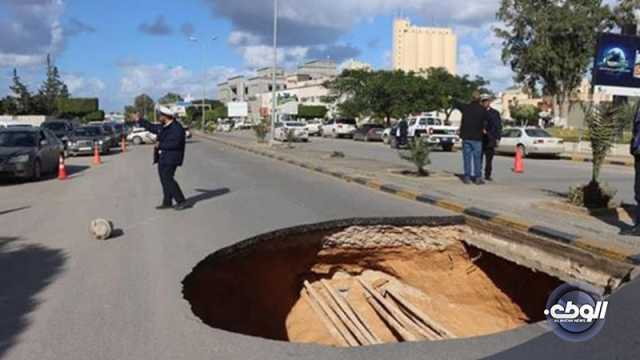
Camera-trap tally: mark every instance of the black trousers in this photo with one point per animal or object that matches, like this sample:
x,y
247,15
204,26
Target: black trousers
x,y
637,188
489,154
170,187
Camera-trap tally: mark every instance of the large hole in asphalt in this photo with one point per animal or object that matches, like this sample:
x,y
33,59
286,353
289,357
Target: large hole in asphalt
x,y
361,285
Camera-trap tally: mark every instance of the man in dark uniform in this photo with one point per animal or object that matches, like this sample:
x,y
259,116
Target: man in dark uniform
x,y
169,155
492,136
635,152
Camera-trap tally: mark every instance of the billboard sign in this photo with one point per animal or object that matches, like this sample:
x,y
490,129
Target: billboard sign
x,y
238,109
616,69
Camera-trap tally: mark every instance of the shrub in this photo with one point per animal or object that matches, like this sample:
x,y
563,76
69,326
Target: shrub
x,y
77,107
592,196
418,154
94,116
262,130
291,137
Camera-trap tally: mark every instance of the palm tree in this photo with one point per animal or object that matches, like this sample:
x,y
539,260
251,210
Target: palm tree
x,y
418,154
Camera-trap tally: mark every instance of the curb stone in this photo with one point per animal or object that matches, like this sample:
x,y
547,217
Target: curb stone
x,y
612,252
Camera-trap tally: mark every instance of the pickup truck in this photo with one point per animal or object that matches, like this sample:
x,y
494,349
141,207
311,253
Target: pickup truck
x,y
434,131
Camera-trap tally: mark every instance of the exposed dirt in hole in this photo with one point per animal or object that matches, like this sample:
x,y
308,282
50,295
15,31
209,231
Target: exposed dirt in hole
x,y
260,291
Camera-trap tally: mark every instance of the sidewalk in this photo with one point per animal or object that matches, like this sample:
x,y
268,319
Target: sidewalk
x,y
538,212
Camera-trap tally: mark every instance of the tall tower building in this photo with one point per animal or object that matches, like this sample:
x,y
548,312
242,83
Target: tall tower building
x,y
421,48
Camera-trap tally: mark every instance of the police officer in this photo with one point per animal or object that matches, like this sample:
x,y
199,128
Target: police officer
x,y
492,136
635,152
169,155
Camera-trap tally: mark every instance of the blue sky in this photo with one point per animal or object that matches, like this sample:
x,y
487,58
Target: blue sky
x,y
118,49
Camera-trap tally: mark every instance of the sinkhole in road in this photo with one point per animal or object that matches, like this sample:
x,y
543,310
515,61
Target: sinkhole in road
x,y
356,285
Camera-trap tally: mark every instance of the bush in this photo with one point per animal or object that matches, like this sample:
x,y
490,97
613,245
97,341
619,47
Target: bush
x,y
592,196
312,111
291,137
418,154
94,116
211,126
77,107
262,130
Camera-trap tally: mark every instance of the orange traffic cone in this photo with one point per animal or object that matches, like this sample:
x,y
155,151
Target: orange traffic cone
x,y
124,144
518,168
62,171
96,155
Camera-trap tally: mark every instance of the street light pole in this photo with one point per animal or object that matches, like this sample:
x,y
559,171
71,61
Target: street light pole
x,y
275,69
204,78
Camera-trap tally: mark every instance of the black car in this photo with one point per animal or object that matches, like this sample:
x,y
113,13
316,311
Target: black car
x,y
85,139
111,137
60,128
28,153
369,132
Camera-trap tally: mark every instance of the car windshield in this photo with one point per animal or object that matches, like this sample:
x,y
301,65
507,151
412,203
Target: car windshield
x,y
537,133
430,122
89,131
108,129
94,130
17,139
346,122
54,126
295,124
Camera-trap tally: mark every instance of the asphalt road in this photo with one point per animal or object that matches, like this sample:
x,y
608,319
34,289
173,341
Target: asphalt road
x,y
66,296
540,173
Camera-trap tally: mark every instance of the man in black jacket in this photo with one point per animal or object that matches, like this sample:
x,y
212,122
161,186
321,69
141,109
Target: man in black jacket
x,y
169,155
635,152
472,129
492,136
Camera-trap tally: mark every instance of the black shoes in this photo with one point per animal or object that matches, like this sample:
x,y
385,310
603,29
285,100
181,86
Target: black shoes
x,y
479,181
634,231
181,206
467,181
164,207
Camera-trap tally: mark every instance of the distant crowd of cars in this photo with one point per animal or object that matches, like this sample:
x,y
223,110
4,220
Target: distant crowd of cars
x,y
29,152
529,140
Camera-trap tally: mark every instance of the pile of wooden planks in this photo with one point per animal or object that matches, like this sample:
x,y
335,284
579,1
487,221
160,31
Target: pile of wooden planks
x,y
350,328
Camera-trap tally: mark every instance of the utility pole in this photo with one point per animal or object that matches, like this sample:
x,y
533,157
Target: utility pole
x,y
204,78
275,69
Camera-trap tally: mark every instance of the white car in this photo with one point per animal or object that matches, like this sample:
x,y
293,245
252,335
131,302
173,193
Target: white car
x,y
337,128
225,126
386,135
314,127
139,136
434,131
530,141
281,130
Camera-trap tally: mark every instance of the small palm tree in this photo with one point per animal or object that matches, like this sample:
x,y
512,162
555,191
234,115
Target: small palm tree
x,y
418,154
604,122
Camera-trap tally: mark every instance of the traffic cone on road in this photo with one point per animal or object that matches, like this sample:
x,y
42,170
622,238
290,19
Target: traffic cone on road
x,y
62,171
124,144
518,168
96,155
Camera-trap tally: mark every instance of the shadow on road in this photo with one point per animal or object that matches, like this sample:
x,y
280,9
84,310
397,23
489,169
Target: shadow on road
x,y
206,195
25,271
5,212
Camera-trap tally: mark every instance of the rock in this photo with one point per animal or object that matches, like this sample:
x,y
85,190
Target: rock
x,y
101,229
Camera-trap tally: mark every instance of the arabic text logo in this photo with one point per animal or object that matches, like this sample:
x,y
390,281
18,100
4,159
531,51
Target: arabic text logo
x,y
574,314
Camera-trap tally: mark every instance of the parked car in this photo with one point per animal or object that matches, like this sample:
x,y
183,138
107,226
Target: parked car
x,y
60,128
84,140
281,130
28,153
11,124
337,128
369,132
434,131
314,127
530,141
111,136
386,135
225,126
141,136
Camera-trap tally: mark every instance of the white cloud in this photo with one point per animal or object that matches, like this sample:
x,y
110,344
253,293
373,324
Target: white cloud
x,y
159,79
82,86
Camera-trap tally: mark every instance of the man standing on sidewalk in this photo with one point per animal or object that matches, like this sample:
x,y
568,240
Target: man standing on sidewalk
x,y
492,136
472,129
635,152
169,155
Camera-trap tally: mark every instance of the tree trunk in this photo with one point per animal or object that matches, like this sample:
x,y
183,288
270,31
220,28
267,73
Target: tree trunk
x,y
556,111
565,107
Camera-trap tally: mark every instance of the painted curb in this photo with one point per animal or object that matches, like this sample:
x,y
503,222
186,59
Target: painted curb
x,y
592,246
584,159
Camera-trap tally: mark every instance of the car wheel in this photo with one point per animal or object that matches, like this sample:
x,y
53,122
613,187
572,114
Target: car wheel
x,y
137,140
523,150
37,171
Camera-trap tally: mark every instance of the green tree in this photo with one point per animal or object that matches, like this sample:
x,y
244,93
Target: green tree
x,y
77,107
441,87
170,98
550,44
525,115
21,96
145,105
312,111
52,89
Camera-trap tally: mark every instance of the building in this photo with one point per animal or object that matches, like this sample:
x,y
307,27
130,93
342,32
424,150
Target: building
x,y
309,76
353,64
421,48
